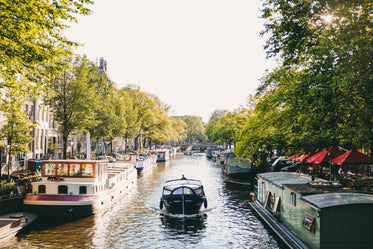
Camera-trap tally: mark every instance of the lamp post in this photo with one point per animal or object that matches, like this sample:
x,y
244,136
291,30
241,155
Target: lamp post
x,y
330,155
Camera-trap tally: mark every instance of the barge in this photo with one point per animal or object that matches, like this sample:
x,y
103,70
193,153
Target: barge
x,y
79,188
313,213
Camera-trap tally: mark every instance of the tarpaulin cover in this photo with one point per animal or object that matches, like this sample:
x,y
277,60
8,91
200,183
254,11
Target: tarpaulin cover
x,y
352,157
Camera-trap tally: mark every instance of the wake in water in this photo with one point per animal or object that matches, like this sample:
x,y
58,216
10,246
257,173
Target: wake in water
x,y
203,211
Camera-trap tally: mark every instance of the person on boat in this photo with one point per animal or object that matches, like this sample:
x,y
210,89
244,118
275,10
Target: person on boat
x,y
183,177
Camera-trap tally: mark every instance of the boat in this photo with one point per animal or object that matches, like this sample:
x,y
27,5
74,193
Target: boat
x,y
79,188
211,151
11,224
189,153
163,155
183,196
145,162
238,170
308,212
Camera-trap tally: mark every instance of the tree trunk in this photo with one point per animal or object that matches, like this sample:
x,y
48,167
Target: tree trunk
x,y
9,162
64,139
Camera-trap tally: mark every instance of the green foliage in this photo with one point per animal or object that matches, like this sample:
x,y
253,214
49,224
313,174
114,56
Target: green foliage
x,y
194,129
17,128
322,93
31,38
74,101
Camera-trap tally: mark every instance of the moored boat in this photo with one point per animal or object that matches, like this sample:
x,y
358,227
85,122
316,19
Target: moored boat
x,y
79,188
183,196
11,224
163,155
145,162
313,213
238,170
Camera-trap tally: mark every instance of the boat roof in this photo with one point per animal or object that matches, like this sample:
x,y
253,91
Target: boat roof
x,y
183,182
282,178
328,200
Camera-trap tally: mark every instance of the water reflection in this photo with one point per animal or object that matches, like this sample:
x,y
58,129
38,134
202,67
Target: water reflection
x,y
189,228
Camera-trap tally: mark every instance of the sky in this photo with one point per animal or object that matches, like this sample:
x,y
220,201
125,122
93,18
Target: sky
x,y
197,56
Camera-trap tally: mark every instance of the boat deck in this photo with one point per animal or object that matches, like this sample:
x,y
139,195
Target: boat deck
x,y
280,229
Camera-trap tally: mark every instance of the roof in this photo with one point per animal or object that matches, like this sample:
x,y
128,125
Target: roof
x,y
281,178
183,182
328,200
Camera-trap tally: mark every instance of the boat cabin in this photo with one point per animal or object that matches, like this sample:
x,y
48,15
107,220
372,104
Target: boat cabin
x,y
318,212
182,186
72,177
163,155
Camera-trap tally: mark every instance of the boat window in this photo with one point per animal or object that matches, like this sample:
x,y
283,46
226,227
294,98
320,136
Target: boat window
x,y
41,189
166,192
178,191
198,191
62,189
50,169
82,190
87,169
62,169
188,191
74,169
293,198
308,223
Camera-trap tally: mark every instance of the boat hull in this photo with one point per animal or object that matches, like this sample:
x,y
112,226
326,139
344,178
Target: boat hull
x,y
183,204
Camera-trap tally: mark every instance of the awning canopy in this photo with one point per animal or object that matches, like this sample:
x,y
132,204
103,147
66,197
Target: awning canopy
x,y
301,158
325,156
352,157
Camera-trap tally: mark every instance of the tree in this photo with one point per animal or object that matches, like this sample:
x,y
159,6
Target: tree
x,y
31,37
74,100
194,129
17,129
323,90
214,118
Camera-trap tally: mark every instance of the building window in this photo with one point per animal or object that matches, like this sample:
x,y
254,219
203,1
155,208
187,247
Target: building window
x,y
83,190
41,189
62,189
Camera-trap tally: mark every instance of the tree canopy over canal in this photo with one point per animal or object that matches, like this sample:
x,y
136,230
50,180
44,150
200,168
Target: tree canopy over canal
x,y
321,94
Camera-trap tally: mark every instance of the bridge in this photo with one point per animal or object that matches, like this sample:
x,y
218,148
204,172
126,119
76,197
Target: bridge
x,y
191,147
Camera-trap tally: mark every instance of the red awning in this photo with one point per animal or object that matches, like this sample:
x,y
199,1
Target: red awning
x,y
352,157
301,158
292,158
322,156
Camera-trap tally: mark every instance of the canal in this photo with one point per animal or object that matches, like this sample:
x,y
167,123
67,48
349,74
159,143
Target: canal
x,y
136,222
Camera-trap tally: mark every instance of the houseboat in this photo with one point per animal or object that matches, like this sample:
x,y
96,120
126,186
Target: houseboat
x,y
79,188
313,213
145,162
163,155
183,196
210,151
237,170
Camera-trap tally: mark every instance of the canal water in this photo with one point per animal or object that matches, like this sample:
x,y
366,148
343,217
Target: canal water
x,y
136,221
